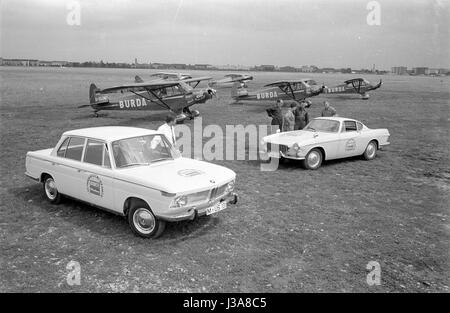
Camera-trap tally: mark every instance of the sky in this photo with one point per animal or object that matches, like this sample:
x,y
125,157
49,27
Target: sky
x,y
325,33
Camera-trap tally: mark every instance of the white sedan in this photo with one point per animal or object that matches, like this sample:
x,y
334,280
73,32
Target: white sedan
x,y
327,138
132,172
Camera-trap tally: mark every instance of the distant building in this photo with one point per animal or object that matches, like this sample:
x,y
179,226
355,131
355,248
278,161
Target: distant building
x,y
327,70
308,69
201,66
265,68
420,71
288,69
399,70
19,62
53,63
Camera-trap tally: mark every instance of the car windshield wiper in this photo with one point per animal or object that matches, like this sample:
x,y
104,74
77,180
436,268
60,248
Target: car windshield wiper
x,y
133,164
312,128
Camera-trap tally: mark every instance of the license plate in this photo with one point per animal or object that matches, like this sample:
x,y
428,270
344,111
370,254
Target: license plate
x,y
216,208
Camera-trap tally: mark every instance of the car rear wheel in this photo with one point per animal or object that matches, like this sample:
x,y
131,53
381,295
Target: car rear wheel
x,y
50,190
143,222
313,159
371,150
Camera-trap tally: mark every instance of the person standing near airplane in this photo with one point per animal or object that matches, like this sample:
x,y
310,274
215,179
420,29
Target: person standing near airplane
x,y
328,110
289,118
168,129
301,116
276,115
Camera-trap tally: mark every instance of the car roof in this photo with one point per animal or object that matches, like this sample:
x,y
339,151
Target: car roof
x,y
110,133
336,118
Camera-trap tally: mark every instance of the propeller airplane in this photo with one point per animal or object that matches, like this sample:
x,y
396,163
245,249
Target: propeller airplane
x,y
296,90
355,85
173,96
230,79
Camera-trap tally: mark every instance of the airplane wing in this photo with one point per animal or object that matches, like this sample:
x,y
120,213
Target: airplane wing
x,y
353,80
197,79
150,86
283,83
165,75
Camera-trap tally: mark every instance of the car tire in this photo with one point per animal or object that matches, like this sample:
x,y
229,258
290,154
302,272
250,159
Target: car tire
x,y
143,222
371,150
313,159
50,191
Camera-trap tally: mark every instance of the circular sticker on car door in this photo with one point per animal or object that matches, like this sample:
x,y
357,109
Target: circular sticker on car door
x,y
95,185
350,145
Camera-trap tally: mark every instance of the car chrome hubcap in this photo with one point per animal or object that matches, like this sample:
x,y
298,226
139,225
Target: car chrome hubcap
x,y
144,220
371,150
313,159
50,189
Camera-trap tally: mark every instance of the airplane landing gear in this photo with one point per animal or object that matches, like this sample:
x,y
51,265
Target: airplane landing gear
x,y
180,118
190,114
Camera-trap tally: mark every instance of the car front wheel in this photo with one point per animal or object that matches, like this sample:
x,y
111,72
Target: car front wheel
x,y
371,151
143,222
50,190
313,159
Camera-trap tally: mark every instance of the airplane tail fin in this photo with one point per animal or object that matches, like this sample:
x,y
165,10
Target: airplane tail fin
x,y
137,79
92,90
237,89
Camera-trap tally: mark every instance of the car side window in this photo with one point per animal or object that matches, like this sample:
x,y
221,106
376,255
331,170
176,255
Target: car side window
x,y
106,161
350,126
359,126
94,152
74,149
62,149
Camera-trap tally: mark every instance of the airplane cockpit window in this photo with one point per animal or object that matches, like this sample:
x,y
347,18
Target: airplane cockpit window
x,y
285,88
173,91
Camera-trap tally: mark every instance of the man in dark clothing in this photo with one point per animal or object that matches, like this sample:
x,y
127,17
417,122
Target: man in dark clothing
x,y
301,116
276,115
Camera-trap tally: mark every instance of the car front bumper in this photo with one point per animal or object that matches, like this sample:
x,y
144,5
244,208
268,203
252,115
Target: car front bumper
x,y
279,154
190,213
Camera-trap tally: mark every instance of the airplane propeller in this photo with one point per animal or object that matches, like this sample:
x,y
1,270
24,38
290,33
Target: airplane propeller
x,y
212,92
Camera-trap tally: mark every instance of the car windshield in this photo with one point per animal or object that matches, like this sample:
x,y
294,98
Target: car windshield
x,y
142,150
322,125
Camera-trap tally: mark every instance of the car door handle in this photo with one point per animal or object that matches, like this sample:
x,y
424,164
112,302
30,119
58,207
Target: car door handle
x,y
80,171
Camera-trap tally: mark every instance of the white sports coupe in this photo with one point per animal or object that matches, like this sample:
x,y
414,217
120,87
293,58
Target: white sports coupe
x,y
327,138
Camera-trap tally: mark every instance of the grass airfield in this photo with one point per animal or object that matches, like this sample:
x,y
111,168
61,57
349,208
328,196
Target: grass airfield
x,y
292,231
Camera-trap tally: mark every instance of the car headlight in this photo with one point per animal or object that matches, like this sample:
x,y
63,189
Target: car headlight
x,y
230,186
295,147
179,201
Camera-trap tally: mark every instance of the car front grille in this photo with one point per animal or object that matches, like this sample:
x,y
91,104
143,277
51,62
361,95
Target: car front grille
x,y
198,197
284,149
203,196
218,192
